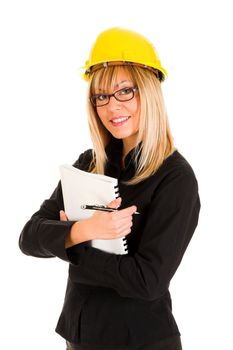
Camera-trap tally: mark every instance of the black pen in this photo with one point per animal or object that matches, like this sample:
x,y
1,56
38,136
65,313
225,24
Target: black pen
x,y
101,207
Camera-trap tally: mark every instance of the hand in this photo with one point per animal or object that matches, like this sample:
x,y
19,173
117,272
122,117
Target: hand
x,y
105,225
114,204
101,225
63,216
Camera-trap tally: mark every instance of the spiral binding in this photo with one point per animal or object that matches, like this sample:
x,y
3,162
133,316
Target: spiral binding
x,y
117,195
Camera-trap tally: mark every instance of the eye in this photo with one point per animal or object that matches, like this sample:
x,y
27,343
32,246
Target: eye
x,y
125,91
101,98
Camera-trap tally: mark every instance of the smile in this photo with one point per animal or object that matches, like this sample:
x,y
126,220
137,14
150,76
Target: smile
x,y
119,121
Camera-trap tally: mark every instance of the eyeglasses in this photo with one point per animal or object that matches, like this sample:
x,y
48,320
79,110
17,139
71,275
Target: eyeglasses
x,y
125,94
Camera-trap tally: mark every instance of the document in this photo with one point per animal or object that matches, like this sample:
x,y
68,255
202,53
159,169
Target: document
x,y
80,188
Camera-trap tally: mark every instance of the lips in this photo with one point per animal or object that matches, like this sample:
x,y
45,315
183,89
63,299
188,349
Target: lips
x,y
119,120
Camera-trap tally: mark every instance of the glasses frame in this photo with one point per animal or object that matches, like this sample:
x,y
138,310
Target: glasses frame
x,y
133,88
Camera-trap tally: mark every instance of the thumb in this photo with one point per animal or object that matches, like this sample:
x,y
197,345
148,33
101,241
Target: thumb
x,y
115,203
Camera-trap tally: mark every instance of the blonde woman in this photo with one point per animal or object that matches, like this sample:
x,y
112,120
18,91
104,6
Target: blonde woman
x,y
122,301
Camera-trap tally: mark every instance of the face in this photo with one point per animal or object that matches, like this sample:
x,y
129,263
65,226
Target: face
x,y
121,118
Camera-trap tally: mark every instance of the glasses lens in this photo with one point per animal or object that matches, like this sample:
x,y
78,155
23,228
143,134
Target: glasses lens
x,y
99,100
125,94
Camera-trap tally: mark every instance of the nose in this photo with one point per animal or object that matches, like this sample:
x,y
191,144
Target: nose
x,y
114,103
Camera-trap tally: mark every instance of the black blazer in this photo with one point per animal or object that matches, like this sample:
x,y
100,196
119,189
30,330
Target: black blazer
x,y
122,300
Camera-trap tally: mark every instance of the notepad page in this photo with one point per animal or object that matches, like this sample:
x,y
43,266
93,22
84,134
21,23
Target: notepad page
x,y
81,188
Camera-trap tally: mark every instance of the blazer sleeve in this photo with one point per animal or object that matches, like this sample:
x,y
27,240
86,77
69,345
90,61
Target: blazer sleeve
x,y
44,234
171,221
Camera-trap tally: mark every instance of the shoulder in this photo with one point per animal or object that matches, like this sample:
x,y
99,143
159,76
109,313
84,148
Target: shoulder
x,y
176,162
177,169
84,160
175,183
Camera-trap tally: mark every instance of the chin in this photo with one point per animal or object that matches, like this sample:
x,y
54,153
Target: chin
x,y
121,135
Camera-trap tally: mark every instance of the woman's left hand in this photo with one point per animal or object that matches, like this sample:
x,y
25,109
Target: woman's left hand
x,y
63,216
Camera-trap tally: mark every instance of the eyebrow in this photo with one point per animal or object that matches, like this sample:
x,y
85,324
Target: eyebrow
x,y
117,84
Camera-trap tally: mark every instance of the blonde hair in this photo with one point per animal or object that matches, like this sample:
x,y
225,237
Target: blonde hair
x,y
154,136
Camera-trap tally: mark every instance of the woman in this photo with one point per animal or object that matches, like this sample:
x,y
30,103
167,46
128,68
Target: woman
x,y
123,301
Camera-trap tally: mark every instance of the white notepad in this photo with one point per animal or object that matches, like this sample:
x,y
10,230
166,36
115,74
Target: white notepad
x,y
82,188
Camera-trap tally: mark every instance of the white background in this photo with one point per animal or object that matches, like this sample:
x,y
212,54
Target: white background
x,y
43,124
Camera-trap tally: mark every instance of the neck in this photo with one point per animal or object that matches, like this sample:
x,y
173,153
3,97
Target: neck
x,y
127,147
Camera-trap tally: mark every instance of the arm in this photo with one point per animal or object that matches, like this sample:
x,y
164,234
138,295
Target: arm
x,y
44,235
101,225
172,219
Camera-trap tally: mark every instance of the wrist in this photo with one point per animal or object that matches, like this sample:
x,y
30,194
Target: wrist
x,y
79,233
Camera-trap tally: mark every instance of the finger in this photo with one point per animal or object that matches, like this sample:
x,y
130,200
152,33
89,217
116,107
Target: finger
x,y
124,227
126,212
124,222
124,231
63,216
115,203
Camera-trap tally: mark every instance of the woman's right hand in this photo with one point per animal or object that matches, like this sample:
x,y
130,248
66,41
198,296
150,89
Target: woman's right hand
x,y
103,225
111,225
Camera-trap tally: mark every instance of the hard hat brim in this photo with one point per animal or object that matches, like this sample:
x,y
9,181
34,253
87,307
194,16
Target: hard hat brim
x,y
155,69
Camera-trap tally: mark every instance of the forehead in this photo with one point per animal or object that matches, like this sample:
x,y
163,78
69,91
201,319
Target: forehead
x,y
111,79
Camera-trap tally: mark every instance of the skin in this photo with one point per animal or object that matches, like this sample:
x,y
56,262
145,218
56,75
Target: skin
x,y
105,225
114,109
101,225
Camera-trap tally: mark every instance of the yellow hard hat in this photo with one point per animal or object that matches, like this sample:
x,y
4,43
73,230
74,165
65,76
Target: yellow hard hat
x,y
122,47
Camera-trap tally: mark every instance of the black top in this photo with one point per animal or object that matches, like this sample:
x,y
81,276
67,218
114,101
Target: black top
x,y
116,301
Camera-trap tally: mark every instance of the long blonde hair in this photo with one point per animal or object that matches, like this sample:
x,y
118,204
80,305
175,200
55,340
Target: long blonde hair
x,y
154,136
